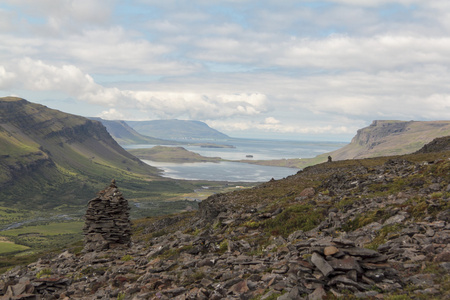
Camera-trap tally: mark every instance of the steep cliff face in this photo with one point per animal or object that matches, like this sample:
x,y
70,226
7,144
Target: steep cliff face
x,y
374,134
46,155
383,138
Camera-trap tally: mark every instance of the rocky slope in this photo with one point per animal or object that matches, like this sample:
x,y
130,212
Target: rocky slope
x,y
437,145
371,229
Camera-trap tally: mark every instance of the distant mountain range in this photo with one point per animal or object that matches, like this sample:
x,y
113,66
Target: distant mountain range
x,y
126,135
176,129
49,158
159,132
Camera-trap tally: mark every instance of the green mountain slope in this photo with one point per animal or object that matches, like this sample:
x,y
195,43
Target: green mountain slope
x,y
126,135
176,129
49,158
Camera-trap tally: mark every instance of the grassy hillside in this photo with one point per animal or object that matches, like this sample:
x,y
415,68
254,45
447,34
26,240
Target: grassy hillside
x,y
49,158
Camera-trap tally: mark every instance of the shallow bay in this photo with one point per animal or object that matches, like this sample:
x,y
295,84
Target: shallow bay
x,y
235,171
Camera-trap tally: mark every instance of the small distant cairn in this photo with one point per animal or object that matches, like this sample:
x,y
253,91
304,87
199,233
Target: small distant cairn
x,y
107,224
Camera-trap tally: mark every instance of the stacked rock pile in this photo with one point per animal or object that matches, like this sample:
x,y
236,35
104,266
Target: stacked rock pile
x,y
107,221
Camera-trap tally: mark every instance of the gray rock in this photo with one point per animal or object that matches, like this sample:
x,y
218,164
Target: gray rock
x,y
346,264
422,280
318,294
366,295
395,219
321,264
445,266
362,252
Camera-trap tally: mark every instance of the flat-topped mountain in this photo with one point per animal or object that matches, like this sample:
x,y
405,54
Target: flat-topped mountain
x,y
125,135
383,138
176,129
49,158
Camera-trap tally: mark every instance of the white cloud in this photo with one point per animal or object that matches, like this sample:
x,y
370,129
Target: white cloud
x,y
271,120
6,78
112,114
374,3
63,14
40,76
273,66
200,106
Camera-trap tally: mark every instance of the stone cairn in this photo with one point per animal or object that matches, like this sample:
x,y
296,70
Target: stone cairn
x,y
107,224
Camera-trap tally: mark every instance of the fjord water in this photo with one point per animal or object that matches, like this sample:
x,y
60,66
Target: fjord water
x,y
241,172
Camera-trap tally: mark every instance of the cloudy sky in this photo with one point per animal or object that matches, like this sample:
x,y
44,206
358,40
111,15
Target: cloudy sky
x,y
290,69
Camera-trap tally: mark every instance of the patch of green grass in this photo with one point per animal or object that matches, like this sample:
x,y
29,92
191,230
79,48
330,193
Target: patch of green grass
x,y
345,201
40,238
223,246
295,217
382,235
418,208
121,296
126,258
252,224
362,220
50,229
44,273
436,195
10,247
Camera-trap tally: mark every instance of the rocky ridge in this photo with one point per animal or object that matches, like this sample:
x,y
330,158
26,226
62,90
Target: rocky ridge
x,y
369,229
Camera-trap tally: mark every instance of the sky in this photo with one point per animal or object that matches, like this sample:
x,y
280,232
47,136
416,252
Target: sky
x,y
302,70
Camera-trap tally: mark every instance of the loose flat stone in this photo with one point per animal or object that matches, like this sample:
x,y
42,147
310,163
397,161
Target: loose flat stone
x,y
363,252
365,295
395,220
346,264
321,264
240,287
342,279
318,294
343,242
